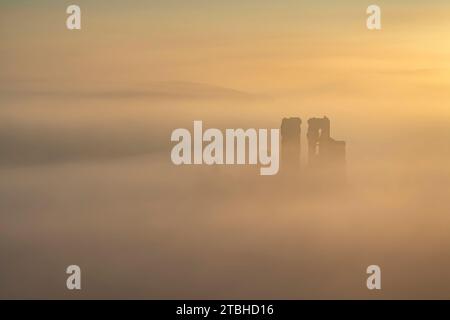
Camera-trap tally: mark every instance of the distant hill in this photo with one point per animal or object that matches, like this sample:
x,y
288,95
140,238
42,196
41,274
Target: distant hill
x,y
156,90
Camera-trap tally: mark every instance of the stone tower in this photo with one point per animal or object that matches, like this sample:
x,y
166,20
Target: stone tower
x,y
322,149
290,144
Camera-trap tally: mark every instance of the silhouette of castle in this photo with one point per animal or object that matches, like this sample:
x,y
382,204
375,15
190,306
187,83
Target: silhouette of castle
x,y
323,151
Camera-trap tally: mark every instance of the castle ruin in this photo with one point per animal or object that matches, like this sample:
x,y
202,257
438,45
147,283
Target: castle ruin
x,y
323,151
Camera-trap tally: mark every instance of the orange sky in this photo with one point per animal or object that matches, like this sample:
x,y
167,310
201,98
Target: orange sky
x,y
296,52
